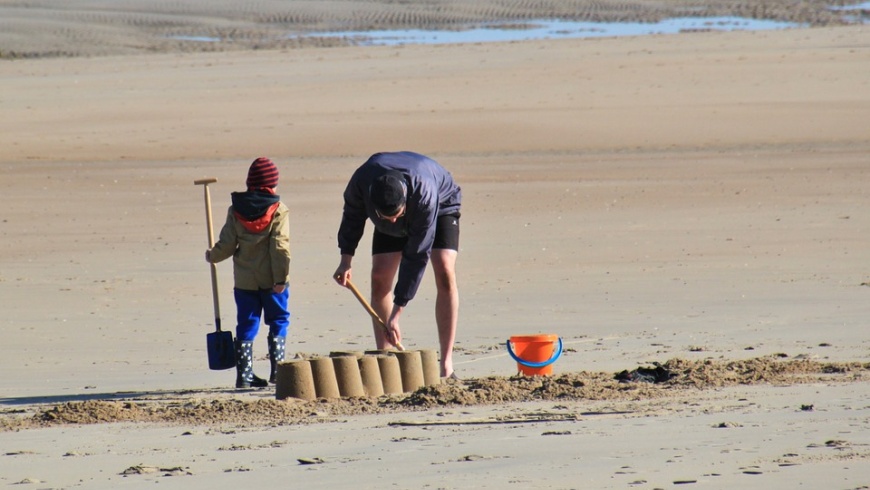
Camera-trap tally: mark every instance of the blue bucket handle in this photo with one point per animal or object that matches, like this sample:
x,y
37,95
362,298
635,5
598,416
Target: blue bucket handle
x,y
553,359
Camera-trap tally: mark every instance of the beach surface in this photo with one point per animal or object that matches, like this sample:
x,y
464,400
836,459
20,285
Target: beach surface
x,y
696,201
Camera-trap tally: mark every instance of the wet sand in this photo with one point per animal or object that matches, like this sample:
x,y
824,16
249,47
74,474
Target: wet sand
x,y
111,27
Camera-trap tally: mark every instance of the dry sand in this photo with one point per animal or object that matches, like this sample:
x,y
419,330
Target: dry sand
x,y
697,200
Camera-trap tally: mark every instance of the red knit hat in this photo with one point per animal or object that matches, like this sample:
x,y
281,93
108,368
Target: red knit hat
x,y
263,173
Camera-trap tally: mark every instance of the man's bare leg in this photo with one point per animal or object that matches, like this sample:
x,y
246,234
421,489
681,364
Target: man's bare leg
x,y
384,267
446,304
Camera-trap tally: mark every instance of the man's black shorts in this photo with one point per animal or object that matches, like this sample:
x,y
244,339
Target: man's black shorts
x,y
446,237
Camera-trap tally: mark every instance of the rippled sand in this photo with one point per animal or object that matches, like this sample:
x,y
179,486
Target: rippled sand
x,y
110,27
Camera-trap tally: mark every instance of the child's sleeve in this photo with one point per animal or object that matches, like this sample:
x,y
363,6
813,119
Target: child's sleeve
x,y
280,247
227,242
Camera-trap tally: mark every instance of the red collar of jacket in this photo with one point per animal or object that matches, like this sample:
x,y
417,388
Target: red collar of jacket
x,y
259,224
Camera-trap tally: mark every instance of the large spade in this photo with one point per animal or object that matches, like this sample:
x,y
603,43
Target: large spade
x,y
371,311
221,350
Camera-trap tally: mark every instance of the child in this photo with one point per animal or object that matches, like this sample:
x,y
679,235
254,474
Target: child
x,y
257,236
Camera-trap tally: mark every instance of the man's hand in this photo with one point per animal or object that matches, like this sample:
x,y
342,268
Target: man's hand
x,y
341,276
394,331
343,272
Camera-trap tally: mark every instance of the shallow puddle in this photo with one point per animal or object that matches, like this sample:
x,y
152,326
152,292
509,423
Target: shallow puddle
x,y
554,29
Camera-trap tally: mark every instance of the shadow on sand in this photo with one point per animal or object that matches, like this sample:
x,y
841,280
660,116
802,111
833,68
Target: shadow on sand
x,y
163,395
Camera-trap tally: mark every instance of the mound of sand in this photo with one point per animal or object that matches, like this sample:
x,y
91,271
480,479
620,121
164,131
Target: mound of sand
x,y
201,408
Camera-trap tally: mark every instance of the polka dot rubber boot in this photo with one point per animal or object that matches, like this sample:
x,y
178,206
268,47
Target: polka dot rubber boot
x,y
245,377
276,355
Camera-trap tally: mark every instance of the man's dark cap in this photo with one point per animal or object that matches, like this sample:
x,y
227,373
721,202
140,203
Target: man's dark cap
x,y
388,193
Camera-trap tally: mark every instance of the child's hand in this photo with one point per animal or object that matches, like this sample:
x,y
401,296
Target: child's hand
x,y
208,256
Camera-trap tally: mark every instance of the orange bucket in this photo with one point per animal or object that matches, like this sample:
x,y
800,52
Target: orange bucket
x,y
535,354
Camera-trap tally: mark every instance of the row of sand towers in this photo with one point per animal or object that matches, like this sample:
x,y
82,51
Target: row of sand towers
x,y
354,374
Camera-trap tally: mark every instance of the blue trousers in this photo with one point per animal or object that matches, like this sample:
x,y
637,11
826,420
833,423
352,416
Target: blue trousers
x,y
250,305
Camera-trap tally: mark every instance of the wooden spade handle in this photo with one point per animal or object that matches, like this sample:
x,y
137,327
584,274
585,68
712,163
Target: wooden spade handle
x,y
210,229
371,311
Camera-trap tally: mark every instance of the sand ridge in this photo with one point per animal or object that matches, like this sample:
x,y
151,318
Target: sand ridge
x,y
198,408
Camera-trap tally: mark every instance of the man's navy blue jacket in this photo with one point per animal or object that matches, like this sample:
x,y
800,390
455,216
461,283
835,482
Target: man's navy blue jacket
x,y
431,193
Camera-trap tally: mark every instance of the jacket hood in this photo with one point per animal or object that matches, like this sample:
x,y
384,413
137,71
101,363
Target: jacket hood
x,y
255,209
251,205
